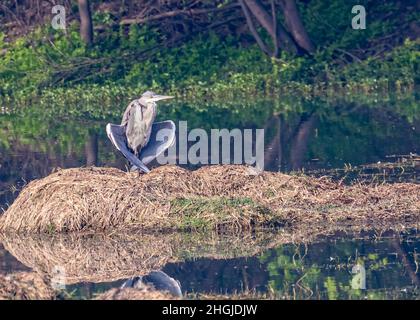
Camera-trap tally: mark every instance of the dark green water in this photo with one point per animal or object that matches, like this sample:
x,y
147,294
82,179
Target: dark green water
x,y
321,136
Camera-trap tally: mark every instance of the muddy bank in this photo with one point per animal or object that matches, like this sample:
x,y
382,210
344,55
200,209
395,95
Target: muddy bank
x,y
215,198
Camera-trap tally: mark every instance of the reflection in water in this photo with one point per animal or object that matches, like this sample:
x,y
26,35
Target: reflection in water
x,y
320,270
158,280
354,266
287,149
300,142
91,150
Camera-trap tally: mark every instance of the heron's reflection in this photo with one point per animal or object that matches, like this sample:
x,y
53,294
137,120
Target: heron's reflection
x,y
159,280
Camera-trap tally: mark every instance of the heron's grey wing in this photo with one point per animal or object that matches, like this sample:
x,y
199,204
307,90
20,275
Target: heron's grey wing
x,y
124,119
127,113
116,134
162,137
130,133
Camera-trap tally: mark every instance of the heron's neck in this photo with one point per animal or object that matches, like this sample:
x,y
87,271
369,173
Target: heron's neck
x,y
151,106
148,112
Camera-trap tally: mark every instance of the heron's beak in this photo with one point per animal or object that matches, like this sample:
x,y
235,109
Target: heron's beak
x,y
159,97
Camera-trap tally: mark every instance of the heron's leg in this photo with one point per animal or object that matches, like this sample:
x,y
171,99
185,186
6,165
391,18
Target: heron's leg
x,y
140,167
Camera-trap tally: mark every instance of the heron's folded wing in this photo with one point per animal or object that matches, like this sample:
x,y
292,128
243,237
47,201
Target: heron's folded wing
x,y
161,138
116,134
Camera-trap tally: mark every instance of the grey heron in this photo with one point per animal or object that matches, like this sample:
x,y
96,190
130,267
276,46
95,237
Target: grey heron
x,y
136,137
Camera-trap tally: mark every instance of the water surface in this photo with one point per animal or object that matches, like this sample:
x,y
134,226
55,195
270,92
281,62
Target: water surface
x,y
327,267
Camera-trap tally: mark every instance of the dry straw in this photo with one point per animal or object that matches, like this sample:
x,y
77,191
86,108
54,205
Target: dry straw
x,y
214,197
145,293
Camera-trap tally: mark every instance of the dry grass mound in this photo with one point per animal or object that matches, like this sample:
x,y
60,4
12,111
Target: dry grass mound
x,y
214,197
25,286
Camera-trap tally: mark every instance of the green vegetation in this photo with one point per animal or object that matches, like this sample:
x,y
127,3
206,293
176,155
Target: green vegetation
x,y
196,211
56,69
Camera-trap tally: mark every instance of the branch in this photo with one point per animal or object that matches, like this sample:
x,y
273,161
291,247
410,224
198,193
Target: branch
x,y
355,58
295,25
276,32
275,42
251,27
175,13
13,14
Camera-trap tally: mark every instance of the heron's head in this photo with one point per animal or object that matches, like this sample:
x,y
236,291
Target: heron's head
x,y
150,97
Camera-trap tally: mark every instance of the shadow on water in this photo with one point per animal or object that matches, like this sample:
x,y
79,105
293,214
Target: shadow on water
x,y
367,265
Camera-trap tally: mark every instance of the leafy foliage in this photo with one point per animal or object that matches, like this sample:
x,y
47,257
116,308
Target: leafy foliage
x,y
53,64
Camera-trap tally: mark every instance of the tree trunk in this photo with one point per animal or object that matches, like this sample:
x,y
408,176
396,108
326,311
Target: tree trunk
x,y
261,15
252,28
295,25
86,29
276,31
